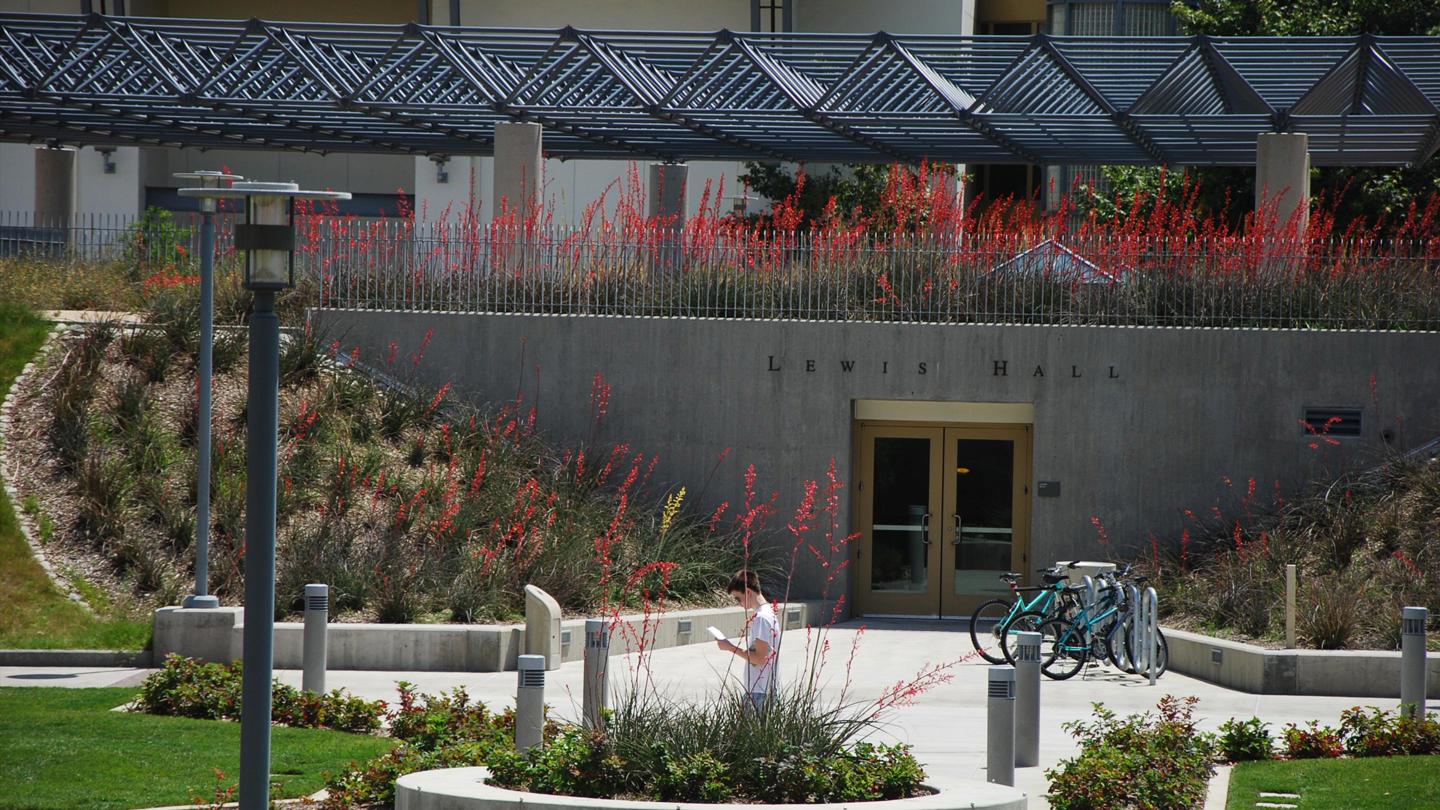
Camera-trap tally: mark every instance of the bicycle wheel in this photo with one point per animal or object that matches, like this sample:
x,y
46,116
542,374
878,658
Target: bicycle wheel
x,y
1064,649
1029,621
1119,646
1162,654
986,624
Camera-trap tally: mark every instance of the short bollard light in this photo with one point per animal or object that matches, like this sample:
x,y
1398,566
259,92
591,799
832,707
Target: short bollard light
x,y
1412,661
205,374
1027,699
596,694
529,702
317,617
1000,727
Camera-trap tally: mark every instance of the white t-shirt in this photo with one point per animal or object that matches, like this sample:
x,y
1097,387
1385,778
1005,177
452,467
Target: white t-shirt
x,y
763,627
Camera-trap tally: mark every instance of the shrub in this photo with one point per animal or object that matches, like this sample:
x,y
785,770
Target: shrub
x,y
1378,733
699,777
334,710
1141,761
576,762
187,687
1312,742
430,722
1245,741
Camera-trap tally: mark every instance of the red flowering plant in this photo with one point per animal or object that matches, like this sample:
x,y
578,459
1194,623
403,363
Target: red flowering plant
x,y
920,251
811,724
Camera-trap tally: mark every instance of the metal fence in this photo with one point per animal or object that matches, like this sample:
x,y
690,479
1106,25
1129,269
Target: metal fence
x,y
716,271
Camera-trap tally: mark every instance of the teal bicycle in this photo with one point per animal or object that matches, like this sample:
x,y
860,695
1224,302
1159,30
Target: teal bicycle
x,y
1100,631
990,623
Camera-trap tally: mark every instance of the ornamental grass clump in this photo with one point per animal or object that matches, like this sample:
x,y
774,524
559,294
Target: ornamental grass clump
x,y
1361,543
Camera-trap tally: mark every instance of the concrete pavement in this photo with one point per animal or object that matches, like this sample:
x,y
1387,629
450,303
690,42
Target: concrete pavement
x,y
946,725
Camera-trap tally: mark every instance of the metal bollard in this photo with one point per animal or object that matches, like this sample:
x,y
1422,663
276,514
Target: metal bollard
x,y
529,702
1000,727
1151,602
1027,700
596,693
1089,593
1412,661
317,616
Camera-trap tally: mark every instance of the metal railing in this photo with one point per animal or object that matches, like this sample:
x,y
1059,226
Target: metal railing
x,y
717,271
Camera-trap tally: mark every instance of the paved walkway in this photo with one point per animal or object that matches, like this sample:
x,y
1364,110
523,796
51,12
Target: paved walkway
x,y
946,725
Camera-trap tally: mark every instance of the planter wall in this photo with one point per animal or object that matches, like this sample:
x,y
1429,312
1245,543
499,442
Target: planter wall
x,y
218,634
465,789
1345,673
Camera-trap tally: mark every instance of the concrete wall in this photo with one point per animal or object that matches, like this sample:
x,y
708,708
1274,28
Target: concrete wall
x,y
1135,423
1232,664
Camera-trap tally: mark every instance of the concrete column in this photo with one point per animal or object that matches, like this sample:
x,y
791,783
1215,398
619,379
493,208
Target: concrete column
x,y
54,187
1282,177
667,192
519,168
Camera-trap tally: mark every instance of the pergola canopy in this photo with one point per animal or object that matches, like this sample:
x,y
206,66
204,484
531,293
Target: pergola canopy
x,y
439,91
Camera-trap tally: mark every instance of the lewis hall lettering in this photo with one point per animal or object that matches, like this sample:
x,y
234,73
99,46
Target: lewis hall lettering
x,y
995,368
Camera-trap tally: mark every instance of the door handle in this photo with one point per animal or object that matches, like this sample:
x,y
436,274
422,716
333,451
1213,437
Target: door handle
x,y
959,529
925,528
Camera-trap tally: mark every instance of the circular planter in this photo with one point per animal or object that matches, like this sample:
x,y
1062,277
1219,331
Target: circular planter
x,y
465,789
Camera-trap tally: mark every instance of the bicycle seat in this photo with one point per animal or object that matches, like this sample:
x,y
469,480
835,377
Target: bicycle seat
x,y
1051,579
1010,576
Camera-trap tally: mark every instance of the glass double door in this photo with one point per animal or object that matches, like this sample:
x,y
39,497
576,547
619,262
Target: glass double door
x,y
943,511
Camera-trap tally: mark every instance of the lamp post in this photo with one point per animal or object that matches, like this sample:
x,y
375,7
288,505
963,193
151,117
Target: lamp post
x,y
208,180
268,239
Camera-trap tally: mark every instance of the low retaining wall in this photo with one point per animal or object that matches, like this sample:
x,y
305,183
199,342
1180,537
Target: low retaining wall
x,y
217,634
465,789
75,658
1345,673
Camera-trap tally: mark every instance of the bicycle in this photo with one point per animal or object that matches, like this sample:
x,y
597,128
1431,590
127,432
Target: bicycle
x,y
997,614
1101,630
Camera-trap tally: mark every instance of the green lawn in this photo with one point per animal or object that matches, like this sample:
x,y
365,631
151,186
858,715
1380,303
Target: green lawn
x,y
36,614
1382,783
65,749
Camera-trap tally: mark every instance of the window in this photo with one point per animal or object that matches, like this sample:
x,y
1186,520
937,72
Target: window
x,y
771,15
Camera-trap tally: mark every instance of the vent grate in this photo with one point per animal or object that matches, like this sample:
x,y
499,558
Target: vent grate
x,y
1005,690
532,678
317,603
1336,422
1412,627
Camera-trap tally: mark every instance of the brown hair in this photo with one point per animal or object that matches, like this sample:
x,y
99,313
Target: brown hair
x,y
744,580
